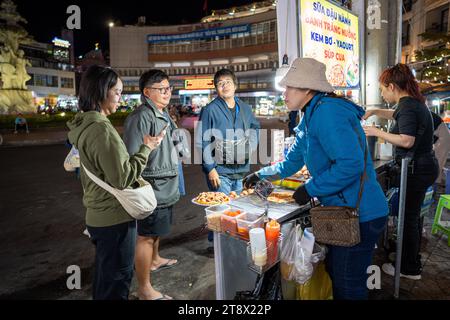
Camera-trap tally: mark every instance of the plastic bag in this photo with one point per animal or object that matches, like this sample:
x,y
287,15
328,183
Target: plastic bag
x,y
288,252
72,161
268,287
318,287
307,255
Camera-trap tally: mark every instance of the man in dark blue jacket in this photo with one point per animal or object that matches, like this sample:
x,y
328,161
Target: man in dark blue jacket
x,y
227,134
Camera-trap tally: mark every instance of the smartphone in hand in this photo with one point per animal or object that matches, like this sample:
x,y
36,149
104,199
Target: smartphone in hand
x,y
163,131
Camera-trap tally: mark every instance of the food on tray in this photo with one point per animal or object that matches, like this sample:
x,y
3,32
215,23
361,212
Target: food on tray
x,y
213,221
233,195
281,197
247,192
211,198
303,173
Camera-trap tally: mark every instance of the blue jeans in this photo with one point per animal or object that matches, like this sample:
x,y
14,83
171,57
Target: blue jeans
x,y
114,260
347,266
226,186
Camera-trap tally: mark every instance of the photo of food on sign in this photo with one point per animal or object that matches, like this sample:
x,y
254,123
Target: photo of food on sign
x,y
352,72
336,76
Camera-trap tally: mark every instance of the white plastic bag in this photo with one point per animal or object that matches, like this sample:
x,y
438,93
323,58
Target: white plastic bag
x,y
307,255
288,248
72,161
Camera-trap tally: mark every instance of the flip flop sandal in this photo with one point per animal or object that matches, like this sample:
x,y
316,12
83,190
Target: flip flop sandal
x,y
165,266
163,297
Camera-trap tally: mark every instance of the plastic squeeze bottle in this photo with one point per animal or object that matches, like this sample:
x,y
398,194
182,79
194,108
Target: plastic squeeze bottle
x,y
272,235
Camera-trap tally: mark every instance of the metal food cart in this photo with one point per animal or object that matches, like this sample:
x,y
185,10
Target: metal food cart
x,y
232,270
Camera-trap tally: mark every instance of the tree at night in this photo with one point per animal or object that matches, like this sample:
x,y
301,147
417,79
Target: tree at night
x,y
435,58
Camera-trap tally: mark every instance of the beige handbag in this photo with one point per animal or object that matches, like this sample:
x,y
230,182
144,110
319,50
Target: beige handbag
x,y
139,202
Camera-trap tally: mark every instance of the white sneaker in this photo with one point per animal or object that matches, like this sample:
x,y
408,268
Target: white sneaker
x,y
389,269
86,232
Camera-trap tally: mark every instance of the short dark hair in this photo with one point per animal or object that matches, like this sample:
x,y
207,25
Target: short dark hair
x,y
224,73
148,78
94,86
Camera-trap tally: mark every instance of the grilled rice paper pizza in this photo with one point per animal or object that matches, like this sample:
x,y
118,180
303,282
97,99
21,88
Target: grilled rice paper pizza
x,y
211,198
247,192
281,197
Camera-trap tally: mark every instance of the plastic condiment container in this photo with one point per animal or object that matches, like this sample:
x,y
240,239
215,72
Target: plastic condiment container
x,y
213,215
228,221
247,221
258,246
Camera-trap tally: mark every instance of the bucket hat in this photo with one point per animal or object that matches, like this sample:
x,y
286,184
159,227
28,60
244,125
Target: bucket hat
x,y
307,73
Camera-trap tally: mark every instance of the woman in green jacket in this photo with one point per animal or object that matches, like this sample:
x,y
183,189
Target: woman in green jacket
x,y
103,153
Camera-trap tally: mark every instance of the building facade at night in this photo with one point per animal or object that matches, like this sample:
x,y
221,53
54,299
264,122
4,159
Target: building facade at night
x,y
52,73
430,16
243,39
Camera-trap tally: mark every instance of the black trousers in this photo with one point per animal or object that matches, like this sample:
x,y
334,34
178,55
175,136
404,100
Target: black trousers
x,y
425,172
114,260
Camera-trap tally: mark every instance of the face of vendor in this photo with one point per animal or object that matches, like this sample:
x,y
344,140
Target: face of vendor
x,y
388,93
226,87
296,98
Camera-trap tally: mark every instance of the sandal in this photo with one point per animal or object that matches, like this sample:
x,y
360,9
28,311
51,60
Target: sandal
x,y
166,265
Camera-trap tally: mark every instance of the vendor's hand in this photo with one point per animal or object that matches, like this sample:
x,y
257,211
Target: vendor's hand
x,y
214,179
250,180
301,196
371,131
154,142
368,114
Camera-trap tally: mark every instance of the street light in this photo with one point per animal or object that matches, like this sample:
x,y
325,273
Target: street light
x,y
111,24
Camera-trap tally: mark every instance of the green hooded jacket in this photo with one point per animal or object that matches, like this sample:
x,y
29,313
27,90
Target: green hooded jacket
x,y
103,153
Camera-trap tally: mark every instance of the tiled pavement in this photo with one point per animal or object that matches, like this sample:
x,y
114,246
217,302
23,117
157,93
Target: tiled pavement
x,y
435,282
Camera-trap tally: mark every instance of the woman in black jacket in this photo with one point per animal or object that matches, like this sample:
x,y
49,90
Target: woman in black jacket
x,y
412,135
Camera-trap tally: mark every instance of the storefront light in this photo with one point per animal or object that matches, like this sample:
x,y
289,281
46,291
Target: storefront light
x,y
281,72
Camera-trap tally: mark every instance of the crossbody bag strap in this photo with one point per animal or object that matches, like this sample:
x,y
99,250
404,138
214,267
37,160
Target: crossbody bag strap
x,y
97,181
363,177
364,174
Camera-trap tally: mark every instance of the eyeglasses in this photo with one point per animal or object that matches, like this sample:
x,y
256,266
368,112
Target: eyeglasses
x,y
163,90
224,83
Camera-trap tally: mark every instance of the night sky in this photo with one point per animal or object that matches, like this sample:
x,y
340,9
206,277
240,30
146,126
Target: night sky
x,y
47,18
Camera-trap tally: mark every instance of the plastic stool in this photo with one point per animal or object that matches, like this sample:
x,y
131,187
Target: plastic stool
x,y
444,226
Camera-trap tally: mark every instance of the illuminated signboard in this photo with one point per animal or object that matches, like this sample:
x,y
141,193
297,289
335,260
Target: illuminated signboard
x,y
61,43
199,34
330,35
196,84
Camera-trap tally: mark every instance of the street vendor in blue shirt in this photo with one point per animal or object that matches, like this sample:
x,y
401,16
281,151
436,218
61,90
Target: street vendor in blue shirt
x,y
331,142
